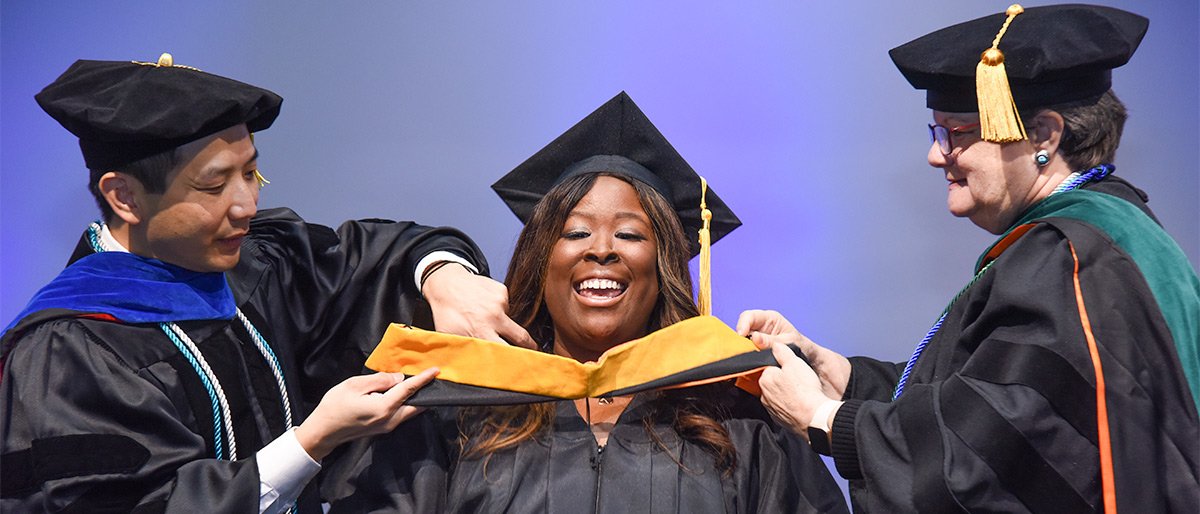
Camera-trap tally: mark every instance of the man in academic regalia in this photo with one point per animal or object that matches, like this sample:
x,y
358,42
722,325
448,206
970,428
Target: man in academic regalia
x,y
176,363
1066,376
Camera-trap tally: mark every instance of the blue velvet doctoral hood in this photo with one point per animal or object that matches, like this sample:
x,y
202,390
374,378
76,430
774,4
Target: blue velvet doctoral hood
x,y
134,289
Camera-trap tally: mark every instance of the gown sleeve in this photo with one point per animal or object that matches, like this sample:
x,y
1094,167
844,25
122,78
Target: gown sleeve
x,y
328,296
791,477
83,431
1000,412
777,469
872,380
405,470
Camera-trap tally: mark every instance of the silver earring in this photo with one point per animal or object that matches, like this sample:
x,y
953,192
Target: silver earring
x,y
1042,157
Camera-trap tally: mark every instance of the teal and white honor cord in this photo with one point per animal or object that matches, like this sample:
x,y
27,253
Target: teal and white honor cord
x,y
224,441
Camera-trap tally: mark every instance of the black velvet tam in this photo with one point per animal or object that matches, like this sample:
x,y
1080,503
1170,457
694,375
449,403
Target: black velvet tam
x,y
1053,54
616,138
123,111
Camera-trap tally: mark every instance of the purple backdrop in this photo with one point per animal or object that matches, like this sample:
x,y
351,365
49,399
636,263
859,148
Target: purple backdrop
x,y
410,110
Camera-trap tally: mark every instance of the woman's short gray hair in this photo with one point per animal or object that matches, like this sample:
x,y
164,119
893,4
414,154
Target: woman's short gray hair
x,y
1091,130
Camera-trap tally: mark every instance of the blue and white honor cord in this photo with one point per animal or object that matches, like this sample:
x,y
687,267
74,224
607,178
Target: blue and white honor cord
x,y
929,335
1072,181
222,419
1080,177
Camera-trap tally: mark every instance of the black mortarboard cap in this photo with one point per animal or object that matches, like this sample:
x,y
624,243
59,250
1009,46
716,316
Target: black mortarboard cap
x,y
123,111
1053,54
616,138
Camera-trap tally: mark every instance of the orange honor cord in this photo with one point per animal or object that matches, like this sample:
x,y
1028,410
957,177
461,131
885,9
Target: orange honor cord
x,y
1107,478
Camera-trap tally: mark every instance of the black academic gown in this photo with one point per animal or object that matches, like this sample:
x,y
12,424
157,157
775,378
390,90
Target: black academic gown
x,y
1000,411
102,416
563,471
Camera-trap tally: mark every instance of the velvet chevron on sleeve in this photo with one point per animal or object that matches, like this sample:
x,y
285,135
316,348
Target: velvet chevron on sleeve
x,y
331,294
1062,379
102,414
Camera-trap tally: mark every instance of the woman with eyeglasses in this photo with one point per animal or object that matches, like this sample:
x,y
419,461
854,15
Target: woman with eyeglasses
x,y
1065,377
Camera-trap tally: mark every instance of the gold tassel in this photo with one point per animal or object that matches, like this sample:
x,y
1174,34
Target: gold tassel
x,y
998,117
262,181
705,296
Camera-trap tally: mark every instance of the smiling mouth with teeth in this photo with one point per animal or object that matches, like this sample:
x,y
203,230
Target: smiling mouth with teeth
x,y
600,288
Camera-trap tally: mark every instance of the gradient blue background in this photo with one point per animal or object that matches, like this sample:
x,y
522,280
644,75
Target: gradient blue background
x,y
410,110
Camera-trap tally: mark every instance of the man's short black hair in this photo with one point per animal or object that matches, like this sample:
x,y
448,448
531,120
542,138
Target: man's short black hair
x,y
151,171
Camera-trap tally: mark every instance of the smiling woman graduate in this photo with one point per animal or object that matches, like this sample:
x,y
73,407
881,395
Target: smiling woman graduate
x,y
602,261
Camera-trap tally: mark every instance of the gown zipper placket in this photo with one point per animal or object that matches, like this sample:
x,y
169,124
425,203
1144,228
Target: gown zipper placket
x,y
598,465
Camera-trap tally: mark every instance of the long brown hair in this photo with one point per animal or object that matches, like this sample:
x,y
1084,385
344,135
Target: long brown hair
x,y
490,429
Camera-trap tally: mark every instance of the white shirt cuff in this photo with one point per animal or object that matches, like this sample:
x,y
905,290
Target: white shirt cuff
x,y
284,468
821,416
435,257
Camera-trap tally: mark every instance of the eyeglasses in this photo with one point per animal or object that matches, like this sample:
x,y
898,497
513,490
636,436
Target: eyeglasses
x,y
941,135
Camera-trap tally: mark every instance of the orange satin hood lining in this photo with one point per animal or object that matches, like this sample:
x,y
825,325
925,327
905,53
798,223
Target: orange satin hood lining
x,y
680,347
